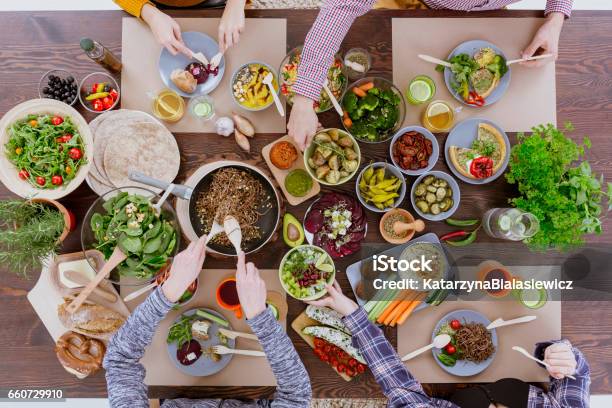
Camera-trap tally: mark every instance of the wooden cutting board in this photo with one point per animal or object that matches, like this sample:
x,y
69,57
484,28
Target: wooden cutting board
x,y
303,321
280,175
47,295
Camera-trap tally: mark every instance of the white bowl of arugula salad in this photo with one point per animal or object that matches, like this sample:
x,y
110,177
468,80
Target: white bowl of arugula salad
x,y
305,271
46,148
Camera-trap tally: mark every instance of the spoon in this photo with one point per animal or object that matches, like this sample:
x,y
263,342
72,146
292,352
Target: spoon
x,y
332,98
233,231
544,363
402,227
441,340
215,230
268,81
116,258
83,280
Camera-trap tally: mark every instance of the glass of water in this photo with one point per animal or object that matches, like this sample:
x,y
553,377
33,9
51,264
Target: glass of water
x,y
202,107
510,223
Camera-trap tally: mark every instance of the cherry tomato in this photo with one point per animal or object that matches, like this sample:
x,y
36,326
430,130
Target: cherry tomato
x,y
33,123
334,362
352,363
18,151
98,105
350,372
72,224
24,175
450,349
57,180
57,120
325,358
318,342
64,138
341,368
107,102
75,153
41,181
327,348
114,94
455,324
94,87
360,368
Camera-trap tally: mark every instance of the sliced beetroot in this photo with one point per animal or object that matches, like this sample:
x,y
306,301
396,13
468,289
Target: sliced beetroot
x,y
199,71
314,221
190,347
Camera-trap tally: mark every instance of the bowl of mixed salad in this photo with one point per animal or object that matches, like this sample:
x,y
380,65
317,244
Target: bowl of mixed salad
x,y
305,271
374,109
335,75
47,145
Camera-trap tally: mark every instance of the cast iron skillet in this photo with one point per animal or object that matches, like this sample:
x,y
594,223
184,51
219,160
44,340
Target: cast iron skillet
x,y
268,206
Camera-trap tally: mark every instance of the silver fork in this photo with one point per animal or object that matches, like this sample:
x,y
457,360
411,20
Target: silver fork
x,y
226,350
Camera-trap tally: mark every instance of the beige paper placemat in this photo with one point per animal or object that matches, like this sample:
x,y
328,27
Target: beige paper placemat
x,y
140,74
416,332
531,96
241,371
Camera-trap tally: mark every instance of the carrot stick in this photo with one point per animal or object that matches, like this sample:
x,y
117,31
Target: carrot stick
x,y
388,310
359,92
367,86
405,303
408,311
348,122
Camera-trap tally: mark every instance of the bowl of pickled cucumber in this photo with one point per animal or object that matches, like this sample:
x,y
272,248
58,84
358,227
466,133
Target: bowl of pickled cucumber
x,y
435,196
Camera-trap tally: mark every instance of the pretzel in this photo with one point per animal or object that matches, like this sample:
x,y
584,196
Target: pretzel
x,y
80,353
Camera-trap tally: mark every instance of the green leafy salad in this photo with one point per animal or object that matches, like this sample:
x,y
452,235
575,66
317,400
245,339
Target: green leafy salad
x,y
133,224
372,112
480,73
46,150
562,193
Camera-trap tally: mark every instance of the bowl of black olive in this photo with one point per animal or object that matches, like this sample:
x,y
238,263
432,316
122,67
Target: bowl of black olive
x,y
60,85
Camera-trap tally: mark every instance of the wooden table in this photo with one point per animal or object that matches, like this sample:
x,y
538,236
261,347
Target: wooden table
x,y
33,42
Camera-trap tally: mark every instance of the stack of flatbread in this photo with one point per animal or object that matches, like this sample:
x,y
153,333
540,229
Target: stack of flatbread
x,y
127,140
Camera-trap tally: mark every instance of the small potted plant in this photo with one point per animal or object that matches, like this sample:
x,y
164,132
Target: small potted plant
x,y
31,230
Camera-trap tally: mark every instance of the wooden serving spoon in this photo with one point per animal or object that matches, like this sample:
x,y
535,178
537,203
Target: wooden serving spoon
x,y
116,258
401,228
83,280
233,231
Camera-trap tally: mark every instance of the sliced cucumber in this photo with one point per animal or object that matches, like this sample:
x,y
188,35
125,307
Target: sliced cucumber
x,y
210,316
274,310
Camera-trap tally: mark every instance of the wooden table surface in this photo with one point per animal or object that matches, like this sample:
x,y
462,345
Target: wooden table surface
x,y
34,42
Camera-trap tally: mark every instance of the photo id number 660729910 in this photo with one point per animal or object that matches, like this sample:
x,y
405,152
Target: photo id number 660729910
x,y
31,395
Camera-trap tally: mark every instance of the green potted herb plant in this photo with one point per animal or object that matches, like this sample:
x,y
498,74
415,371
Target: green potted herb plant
x,y
30,230
558,186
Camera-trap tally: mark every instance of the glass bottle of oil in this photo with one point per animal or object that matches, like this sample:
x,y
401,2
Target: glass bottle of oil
x,y
102,55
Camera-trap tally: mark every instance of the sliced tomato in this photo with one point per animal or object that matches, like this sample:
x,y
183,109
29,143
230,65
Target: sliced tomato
x,y
23,174
481,167
57,120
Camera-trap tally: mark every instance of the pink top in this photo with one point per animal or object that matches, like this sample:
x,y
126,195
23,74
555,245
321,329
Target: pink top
x,y
336,17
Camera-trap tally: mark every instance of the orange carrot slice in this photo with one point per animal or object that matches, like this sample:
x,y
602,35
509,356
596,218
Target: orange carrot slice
x,y
367,86
359,92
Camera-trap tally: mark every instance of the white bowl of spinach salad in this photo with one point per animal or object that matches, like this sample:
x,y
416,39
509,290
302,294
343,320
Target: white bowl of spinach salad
x,y
126,218
46,149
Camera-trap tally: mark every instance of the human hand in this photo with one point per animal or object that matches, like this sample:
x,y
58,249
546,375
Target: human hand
x,y
231,25
165,30
547,39
303,121
336,300
186,267
250,287
561,359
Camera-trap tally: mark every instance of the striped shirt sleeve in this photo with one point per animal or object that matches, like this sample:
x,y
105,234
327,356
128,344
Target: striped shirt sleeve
x,y
323,42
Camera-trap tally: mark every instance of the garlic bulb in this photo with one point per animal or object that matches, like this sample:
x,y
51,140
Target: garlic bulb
x,y
224,126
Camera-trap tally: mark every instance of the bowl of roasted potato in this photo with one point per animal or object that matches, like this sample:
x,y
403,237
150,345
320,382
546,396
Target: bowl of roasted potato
x,y
333,157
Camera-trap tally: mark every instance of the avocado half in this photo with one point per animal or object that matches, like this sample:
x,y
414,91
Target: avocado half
x,y
293,233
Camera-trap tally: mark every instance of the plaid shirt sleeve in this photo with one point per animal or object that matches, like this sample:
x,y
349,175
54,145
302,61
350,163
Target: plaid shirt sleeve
x,y
323,42
565,392
402,389
560,6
